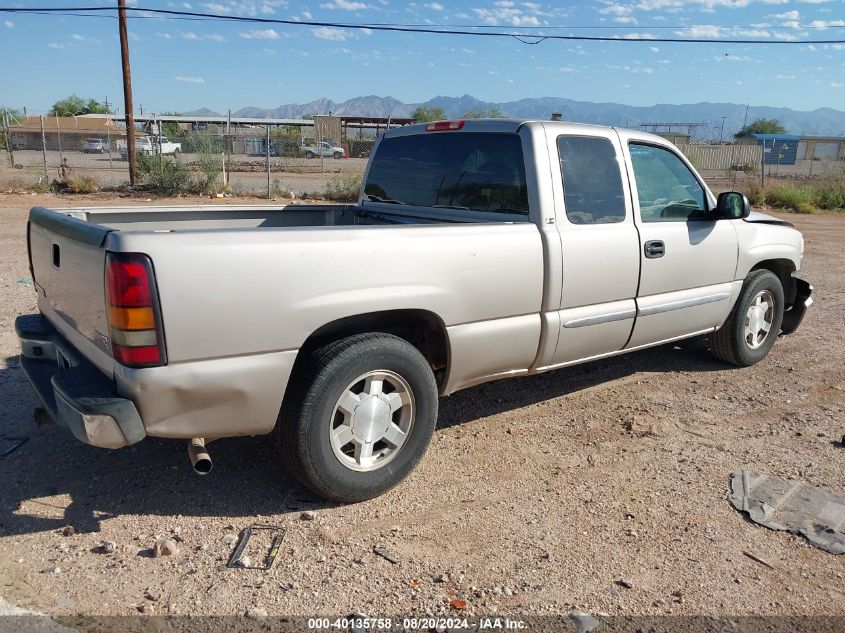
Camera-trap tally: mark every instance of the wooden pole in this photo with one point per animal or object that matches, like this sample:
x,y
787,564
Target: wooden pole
x,y
127,93
44,152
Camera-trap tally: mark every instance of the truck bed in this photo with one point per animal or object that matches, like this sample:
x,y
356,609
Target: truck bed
x,y
205,217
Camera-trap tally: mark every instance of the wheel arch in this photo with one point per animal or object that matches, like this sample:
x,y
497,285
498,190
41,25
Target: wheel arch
x,y
423,329
783,270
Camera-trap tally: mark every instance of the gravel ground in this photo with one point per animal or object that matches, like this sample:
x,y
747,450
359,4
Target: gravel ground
x,y
538,495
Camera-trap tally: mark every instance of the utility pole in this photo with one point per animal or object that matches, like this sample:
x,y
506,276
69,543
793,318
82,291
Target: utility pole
x,y
127,93
721,130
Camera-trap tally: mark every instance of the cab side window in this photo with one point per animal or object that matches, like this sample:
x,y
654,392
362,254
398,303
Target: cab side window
x,y
592,180
667,190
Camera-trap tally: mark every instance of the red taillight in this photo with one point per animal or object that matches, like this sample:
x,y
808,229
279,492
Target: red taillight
x,y
132,308
137,356
128,283
440,126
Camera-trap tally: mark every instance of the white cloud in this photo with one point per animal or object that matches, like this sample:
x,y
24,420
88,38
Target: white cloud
x,y
788,15
166,36
616,9
654,49
249,8
307,15
434,6
330,33
190,35
190,79
506,12
625,19
836,84
784,76
260,34
8,24
634,36
824,24
55,45
214,37
76,37
345,5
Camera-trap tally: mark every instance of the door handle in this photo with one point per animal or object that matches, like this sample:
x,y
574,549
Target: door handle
x,y
654,249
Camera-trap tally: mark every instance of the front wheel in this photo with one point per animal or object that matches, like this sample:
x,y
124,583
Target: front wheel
x,y
309,154
337,155
358,417
754,323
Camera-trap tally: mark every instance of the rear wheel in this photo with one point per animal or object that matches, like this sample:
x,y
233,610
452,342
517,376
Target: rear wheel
x,y
754,323
337,155
358,417
309,154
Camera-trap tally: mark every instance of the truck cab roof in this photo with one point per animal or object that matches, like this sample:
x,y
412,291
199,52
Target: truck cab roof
x,y
513,126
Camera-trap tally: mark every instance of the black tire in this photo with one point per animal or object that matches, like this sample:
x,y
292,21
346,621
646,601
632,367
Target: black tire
x,y
728,344
337,155
309,154
306,418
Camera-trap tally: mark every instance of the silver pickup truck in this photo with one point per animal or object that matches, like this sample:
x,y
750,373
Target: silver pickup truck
x,y
477,250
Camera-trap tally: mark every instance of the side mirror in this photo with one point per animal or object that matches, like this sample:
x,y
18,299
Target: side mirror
x,y
732,205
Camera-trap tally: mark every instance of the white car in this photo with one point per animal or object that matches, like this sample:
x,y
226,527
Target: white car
x,y
95,146
147,146
322,149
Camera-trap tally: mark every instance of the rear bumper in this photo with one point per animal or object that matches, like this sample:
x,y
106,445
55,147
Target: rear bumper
x,y
74,392
794,314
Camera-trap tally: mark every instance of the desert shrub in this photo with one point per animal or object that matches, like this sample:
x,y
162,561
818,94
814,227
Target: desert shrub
x,y
279,191
829,196
81,184
164,175
209,164
792,197
755,194
345,189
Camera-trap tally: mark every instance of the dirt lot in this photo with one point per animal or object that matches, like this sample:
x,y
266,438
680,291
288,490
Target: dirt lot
x,y
536,496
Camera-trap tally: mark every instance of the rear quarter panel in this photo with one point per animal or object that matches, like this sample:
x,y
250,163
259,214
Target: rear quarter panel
x,y
241,292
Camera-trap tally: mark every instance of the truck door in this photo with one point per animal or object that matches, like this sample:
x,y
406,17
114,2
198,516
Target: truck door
x,y
599,243
688,258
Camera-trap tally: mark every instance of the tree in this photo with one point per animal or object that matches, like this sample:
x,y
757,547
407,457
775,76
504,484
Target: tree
x,y
424,115
761,126
171,129
73,105
477,113
12,115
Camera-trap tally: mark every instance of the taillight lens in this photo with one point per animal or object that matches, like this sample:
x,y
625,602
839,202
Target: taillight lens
x,y
133,314
442,126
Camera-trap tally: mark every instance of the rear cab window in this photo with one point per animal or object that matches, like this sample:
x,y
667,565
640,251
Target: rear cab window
x,y
474,171
592,180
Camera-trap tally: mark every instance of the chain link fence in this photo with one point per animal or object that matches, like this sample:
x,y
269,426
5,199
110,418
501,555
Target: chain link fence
x,y
262,160
309,159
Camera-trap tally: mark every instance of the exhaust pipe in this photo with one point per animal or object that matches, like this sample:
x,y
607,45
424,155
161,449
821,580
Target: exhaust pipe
x,y
200,459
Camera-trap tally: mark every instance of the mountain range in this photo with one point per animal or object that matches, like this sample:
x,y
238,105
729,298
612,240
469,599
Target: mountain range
x,y
819,122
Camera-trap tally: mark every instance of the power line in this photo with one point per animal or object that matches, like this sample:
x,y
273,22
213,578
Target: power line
x,y
570,27
409,29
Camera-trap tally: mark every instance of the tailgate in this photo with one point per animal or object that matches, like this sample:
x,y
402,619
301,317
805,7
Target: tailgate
x,y
68,267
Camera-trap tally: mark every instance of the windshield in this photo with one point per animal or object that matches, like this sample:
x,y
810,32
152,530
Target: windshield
x,y
473,171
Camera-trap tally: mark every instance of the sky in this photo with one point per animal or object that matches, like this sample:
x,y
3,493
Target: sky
x,y
180,65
